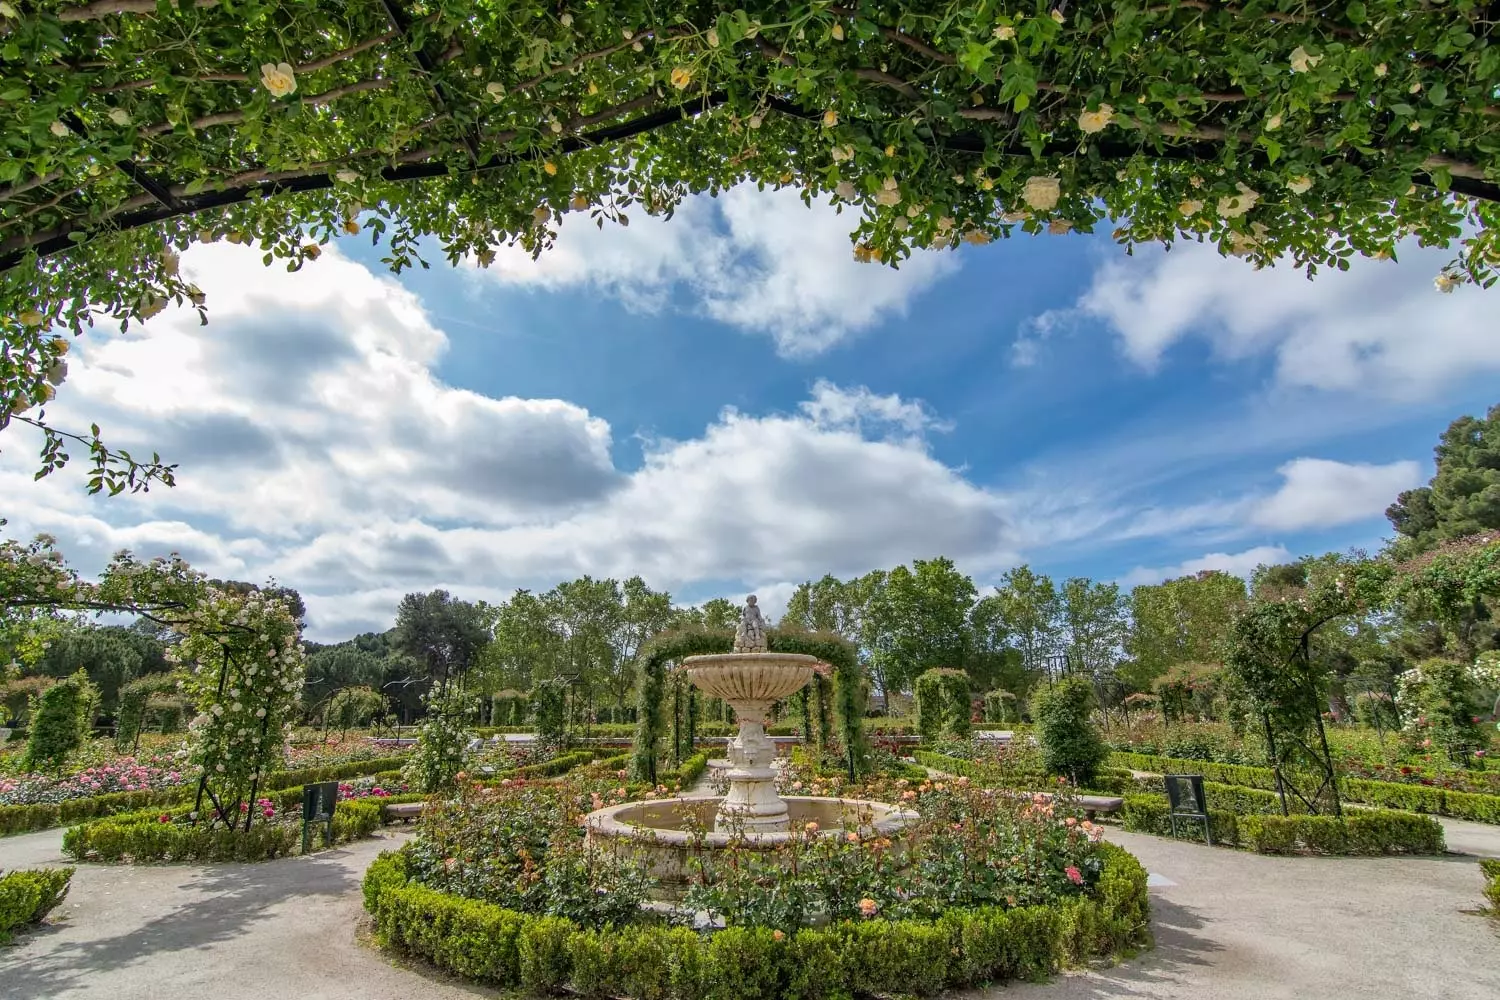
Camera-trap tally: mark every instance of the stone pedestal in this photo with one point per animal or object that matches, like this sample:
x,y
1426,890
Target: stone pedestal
x,y
752,804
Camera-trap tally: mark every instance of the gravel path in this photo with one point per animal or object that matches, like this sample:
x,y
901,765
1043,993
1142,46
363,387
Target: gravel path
x,y
1229,926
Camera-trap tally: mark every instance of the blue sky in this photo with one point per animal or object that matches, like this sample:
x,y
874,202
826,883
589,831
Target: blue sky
x,y
728,402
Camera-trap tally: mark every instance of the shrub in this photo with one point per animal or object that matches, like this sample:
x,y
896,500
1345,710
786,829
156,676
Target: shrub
x,y
1374,831
26,897
19,694
61,718
1490,869
143,836
1069,742
962,948
549,712
1385,794
931,706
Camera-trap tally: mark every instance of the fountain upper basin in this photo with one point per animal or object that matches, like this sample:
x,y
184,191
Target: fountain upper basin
x,y
750,678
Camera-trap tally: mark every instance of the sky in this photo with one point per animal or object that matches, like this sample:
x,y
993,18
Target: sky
x,y
728,403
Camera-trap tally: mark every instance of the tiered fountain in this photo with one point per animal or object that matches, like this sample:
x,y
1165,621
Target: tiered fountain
x,y
665,832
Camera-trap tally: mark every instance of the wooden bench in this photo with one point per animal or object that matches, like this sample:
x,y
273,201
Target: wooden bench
x,y
404,811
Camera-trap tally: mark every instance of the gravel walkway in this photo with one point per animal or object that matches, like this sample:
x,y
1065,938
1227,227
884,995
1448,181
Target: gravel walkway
x,y
1229,926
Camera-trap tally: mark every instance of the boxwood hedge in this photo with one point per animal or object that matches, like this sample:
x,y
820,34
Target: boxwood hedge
x,y
965,948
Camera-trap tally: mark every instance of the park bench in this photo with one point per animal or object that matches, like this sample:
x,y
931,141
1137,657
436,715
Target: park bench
x,y
404,811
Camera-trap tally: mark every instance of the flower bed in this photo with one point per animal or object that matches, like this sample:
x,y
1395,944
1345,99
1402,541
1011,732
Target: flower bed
x,y
961,948
500,887
1365,831
154,836
41,816
26,897
1385,794
1109,781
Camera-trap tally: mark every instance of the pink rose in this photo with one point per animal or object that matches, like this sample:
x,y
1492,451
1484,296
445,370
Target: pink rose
x,y
1074,875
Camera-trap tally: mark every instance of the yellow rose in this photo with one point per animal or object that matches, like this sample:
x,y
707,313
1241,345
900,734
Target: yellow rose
x,y
278,78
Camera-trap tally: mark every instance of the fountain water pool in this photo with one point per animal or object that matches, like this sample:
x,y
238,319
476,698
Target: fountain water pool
x,y
665,833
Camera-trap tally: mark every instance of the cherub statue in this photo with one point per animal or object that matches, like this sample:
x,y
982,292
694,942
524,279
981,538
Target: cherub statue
x,y
750,637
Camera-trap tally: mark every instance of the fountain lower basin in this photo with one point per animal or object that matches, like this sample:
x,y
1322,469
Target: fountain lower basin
x,y
667,834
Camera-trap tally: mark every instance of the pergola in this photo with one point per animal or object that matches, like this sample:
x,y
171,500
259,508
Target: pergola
x,y
1271,128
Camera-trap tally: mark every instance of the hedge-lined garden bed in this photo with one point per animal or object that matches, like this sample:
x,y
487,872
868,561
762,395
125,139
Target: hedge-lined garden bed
x,y
154,836
26,897
1109,780
1364,831
965,947
42,816
1385,794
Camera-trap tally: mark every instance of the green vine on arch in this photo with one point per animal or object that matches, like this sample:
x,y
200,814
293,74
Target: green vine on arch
x,y
673,647
241,656
132,129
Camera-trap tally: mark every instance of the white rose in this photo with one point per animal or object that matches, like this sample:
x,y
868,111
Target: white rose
x,y
1445,284
1300,185
1041,193
278,78
1090,122
846,190
1235,205
1302,61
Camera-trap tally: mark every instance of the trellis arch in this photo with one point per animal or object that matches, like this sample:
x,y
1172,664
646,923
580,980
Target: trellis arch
x,y
241,652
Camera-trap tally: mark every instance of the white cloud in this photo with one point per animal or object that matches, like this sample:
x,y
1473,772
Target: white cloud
x,y
318,447
1379,327
1318,493
1235,563
760,261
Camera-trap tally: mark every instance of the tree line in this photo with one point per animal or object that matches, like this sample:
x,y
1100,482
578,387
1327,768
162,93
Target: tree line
x,y
1161,642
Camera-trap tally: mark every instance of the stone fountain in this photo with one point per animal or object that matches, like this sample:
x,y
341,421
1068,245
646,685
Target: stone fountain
x,y
666,832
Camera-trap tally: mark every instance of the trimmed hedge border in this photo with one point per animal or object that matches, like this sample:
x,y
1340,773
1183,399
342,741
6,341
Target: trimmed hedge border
x,y
26,897
1490,868
42,816
964,948
1109,781
142,837
1385,794
1363,832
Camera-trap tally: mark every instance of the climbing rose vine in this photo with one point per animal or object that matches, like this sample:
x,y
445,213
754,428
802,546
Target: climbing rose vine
x,y
241,654
131,129
245,669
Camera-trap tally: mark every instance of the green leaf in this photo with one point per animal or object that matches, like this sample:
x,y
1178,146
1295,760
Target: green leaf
x,y
1022,102
1273,148
15,94
1356,12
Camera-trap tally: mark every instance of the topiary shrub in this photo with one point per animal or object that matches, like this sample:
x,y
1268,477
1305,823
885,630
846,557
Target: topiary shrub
x,y
958,694
60,721
26,897
1070,744
931,706
549,713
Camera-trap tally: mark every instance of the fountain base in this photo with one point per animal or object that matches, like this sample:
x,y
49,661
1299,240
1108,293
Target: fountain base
x,y
672,836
